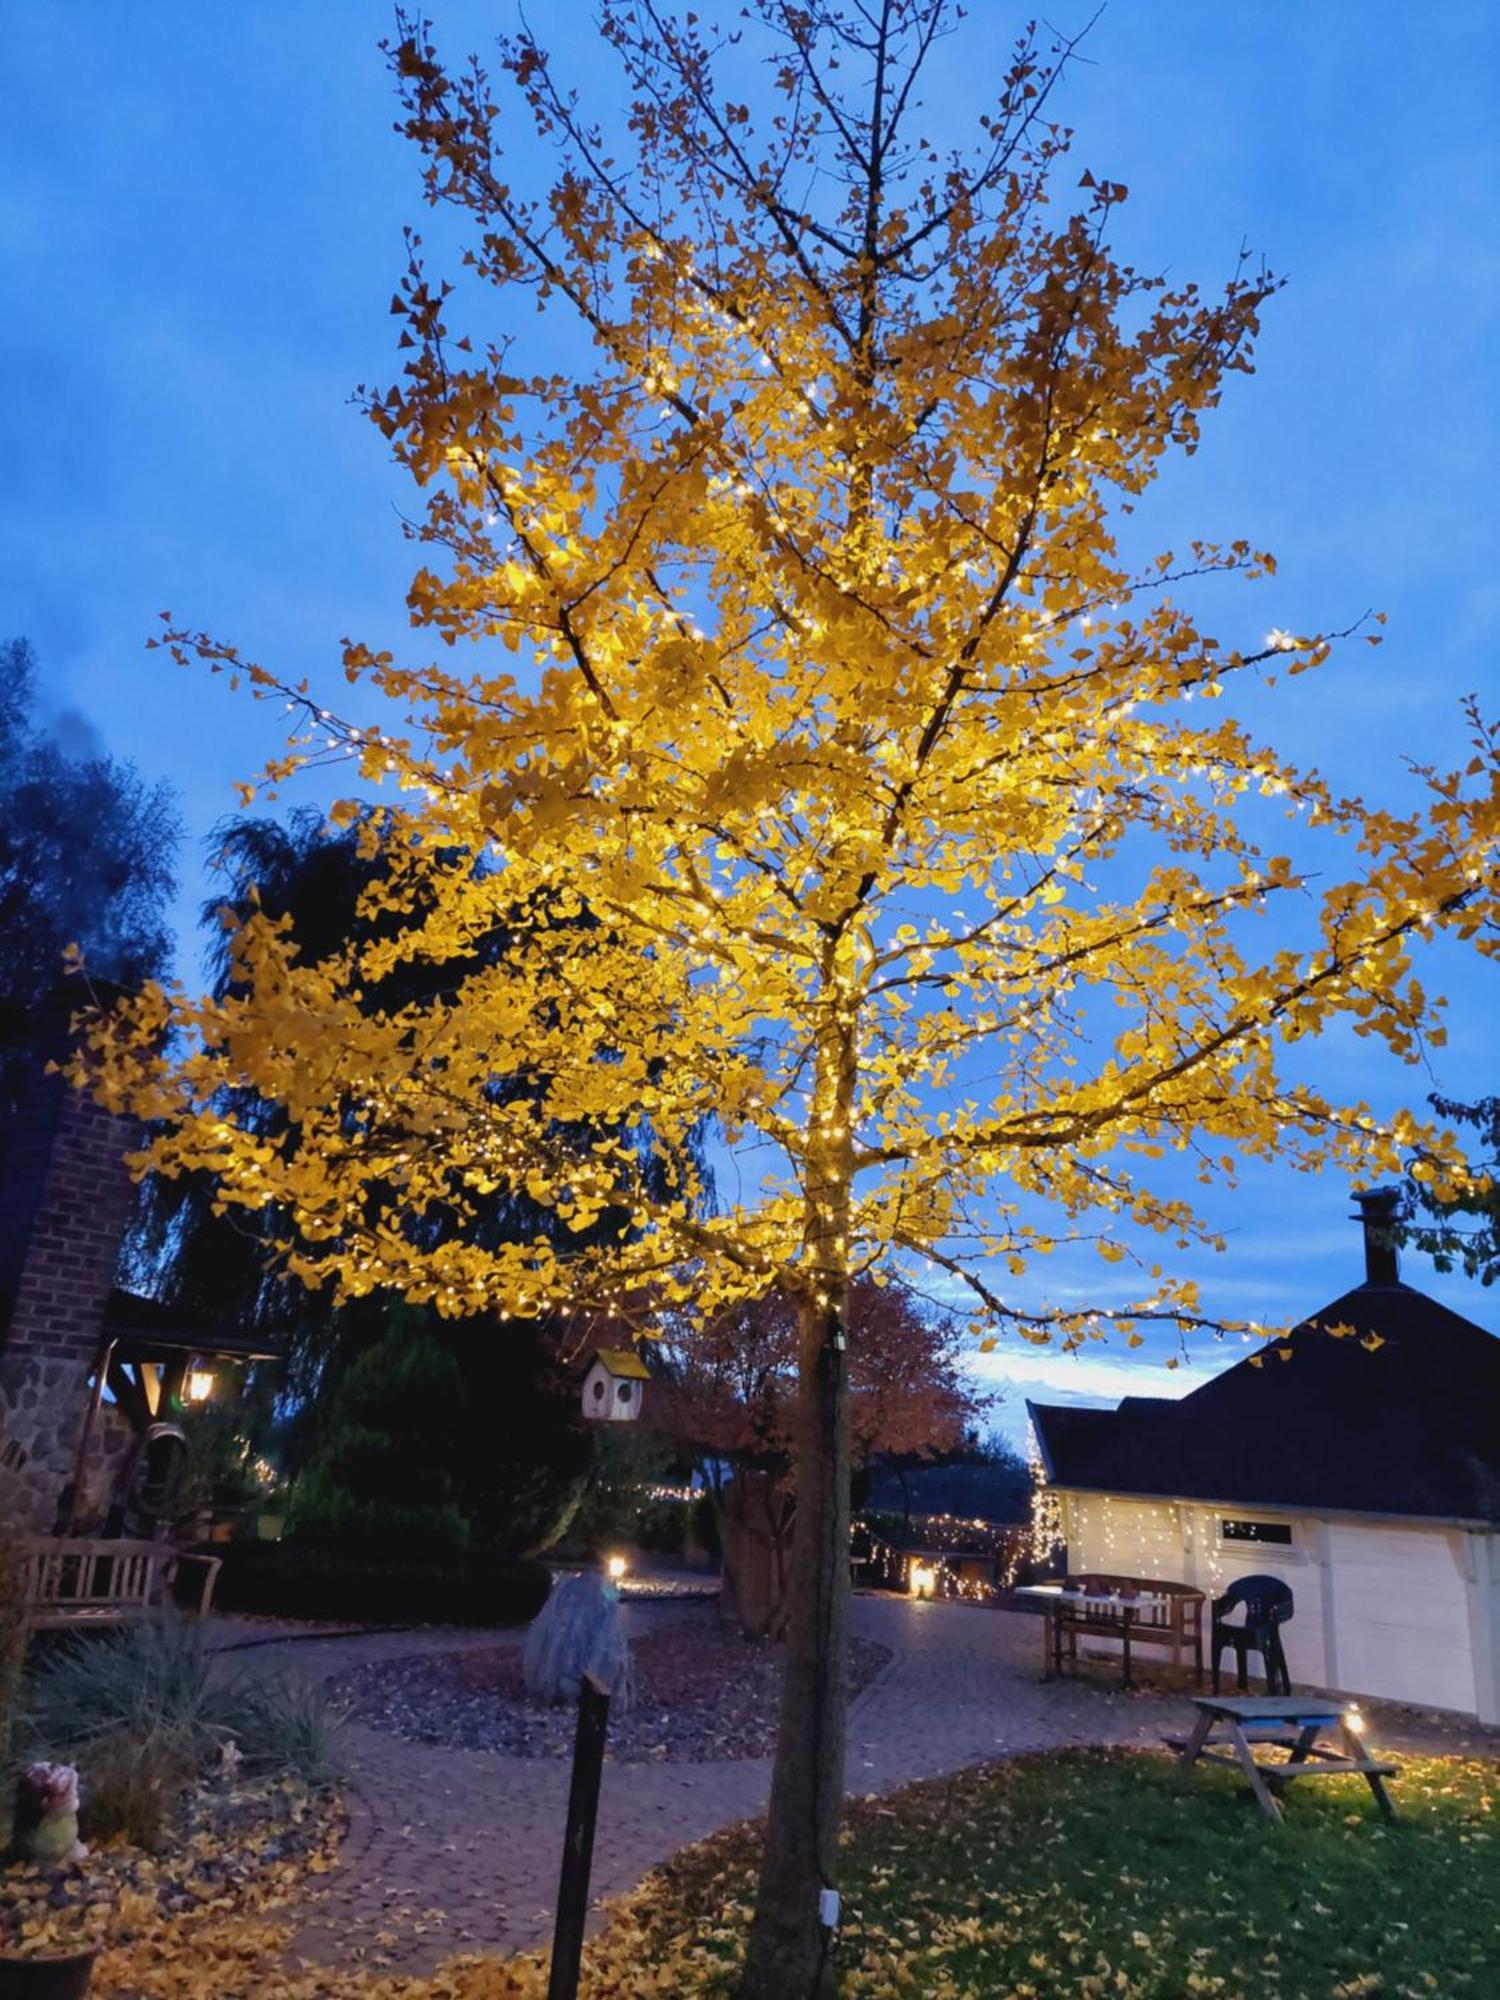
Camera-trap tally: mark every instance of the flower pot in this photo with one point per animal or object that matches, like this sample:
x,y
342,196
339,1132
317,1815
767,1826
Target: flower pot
x,y
59,1976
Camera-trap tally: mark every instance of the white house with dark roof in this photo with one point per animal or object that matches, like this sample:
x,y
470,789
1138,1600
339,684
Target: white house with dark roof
x,y
1358,1460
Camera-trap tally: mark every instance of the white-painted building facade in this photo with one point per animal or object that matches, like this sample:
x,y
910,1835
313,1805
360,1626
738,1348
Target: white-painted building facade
x,y
1406,1610
1364,1472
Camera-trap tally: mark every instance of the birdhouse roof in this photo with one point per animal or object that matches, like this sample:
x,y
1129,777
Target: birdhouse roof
x,y
622,1361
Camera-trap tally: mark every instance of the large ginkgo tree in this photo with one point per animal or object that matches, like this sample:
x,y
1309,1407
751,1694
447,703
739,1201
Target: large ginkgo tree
x,y
838,778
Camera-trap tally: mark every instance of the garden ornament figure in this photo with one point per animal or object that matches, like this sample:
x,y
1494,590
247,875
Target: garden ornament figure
x,y
576,1633
47,1815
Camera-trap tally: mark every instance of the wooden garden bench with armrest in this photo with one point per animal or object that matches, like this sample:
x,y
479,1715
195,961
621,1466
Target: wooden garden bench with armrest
x,y
70,1584
1134,1610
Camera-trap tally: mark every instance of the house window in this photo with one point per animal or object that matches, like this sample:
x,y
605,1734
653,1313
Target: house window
x,y
1275,1533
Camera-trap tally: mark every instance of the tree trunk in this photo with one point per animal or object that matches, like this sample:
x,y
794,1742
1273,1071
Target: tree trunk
x,y
754,1516
790,1952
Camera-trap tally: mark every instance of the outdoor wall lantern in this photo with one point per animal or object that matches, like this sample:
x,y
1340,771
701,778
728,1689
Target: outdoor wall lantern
x,y
199,1385
615,1386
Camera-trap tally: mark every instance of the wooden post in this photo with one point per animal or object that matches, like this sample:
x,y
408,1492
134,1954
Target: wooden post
x,y
578,1841
69,1510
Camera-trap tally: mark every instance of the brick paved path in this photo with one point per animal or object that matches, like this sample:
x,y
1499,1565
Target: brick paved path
x,y
450,1850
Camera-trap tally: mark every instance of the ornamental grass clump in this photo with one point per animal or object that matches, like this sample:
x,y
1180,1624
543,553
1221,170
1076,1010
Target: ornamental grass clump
x,y
135,1710
132,1785
146,1712
287,1724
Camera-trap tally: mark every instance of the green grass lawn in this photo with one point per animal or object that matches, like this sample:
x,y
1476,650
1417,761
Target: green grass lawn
x,y
1110,1874
1089,1875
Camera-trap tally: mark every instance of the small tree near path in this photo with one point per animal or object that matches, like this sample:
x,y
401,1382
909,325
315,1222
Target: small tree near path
x,y
785,634
729,1393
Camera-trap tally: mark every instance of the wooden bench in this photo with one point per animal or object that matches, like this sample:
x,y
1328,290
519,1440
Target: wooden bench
x,y
70,1584
1158,1613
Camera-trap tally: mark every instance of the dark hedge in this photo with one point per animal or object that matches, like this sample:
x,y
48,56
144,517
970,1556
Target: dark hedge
x,y
297,1579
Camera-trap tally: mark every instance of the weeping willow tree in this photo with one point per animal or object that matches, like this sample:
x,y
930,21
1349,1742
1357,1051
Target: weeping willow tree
x,y
515,1459
87,855
786,633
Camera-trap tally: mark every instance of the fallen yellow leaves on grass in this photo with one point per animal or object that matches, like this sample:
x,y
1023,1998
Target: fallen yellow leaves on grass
x,y
239,1956
237,1850
248,1954
1081,1876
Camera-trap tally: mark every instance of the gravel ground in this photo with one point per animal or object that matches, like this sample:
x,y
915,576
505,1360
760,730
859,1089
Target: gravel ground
x,y
703,1694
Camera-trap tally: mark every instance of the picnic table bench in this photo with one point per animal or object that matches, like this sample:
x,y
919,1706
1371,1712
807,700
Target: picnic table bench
x,y
1135,1610
1292,1722
69,1583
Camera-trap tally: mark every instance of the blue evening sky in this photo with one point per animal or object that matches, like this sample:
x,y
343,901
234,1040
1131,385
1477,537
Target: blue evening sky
x,y
200,232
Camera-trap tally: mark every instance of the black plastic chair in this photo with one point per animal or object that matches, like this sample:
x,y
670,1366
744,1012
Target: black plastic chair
x,y
1268,1606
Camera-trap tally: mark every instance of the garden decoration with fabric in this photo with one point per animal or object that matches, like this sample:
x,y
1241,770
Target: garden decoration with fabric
x,y
834,772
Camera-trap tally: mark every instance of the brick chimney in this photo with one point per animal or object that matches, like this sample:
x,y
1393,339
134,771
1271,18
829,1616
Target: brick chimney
x,y
64,1198
1380,1214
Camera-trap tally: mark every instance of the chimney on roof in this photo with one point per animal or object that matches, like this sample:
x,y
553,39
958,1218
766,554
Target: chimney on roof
x,y
1380,1214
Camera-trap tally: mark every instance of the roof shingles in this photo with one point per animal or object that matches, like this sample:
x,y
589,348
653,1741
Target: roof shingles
x,y
1408,1426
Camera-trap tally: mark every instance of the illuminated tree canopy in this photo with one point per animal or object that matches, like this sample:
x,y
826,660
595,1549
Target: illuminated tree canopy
x,y
834,707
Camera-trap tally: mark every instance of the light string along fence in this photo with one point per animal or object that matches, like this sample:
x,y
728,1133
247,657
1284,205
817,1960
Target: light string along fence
x,y
958,1556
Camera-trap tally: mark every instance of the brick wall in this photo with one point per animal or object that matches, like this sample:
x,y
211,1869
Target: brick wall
x,y
64,1199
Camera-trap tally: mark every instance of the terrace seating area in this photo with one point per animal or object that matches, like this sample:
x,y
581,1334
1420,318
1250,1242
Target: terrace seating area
x,y
1132,1611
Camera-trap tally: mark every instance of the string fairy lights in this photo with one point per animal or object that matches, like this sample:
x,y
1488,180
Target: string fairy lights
x,y
1048,1533
949,1556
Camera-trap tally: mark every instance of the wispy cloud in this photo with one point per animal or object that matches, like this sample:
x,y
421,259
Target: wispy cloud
x,y
1098,1377
1094,1380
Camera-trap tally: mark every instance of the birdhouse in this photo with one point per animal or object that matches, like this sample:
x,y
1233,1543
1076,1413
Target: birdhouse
x,y
614,1387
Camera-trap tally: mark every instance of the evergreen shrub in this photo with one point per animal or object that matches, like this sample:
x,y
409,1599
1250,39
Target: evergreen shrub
x,y
303,1578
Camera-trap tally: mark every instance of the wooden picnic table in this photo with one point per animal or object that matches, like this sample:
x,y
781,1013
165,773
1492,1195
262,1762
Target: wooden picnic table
x,y
1292,1722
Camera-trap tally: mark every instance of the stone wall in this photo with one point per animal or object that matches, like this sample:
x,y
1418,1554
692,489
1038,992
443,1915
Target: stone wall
x,y
64,1198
